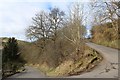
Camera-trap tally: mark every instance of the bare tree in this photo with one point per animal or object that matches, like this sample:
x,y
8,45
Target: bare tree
x,y
56,18
74,30
45,26
40,29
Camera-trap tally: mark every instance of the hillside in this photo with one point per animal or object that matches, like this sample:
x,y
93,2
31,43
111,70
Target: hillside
x,y
57,64
51,64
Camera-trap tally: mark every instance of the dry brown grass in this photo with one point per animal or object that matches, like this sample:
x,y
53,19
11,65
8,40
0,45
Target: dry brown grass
x,y
71,67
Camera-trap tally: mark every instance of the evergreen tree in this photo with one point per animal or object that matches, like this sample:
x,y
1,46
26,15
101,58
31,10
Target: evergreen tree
x,y
10,50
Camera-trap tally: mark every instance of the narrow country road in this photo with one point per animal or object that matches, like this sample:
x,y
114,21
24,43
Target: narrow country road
x,y
108,68
30,72
108,53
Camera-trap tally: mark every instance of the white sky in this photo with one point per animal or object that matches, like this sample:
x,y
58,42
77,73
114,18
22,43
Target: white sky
x,y
15,15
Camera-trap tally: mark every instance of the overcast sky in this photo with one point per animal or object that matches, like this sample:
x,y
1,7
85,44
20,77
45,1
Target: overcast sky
x,y
15,15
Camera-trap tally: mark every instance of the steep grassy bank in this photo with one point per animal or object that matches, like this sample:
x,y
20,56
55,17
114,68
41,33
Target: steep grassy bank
x,y
74,67
113,44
